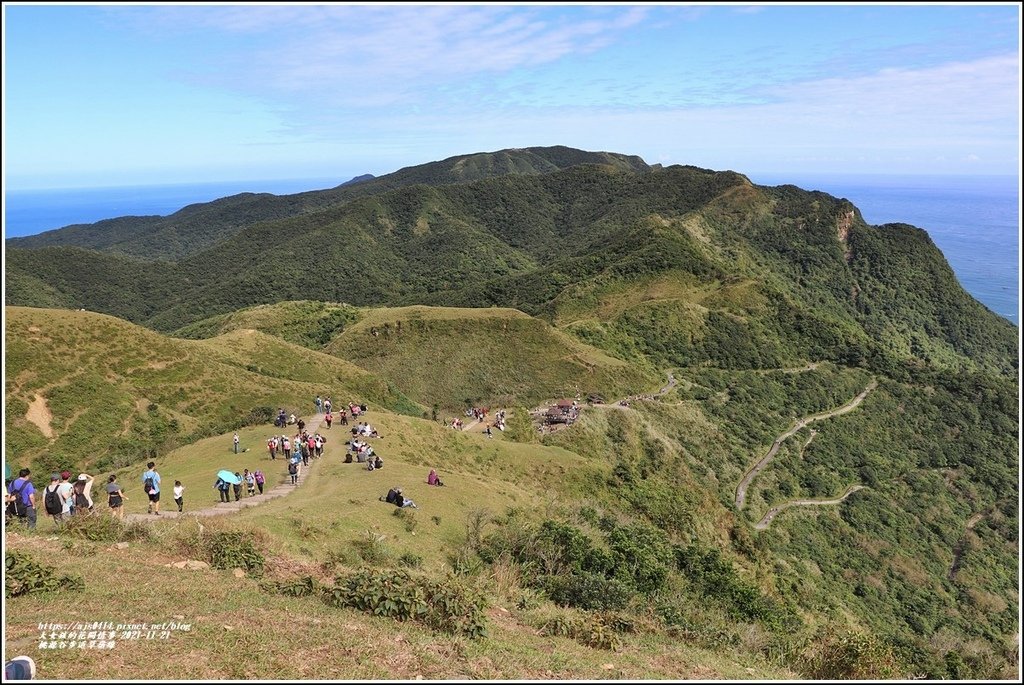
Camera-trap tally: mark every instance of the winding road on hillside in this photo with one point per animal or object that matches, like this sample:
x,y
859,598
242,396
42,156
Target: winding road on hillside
x,y
741,489
223,508
774,511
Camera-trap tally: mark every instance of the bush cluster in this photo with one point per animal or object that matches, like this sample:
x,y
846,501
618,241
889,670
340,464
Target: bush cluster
x,y
447,606
24,576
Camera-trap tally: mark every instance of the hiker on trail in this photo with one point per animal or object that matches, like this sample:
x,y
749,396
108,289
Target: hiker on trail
x,y
272,447
236,443
286,445
179,495
318,445
237,486
293,471
302,425
260,479
52,502
327,405
319,404
304,451
250,483
342,418
433,479
67,495
328,418
151,484
115,497
82,494
222,488
281,419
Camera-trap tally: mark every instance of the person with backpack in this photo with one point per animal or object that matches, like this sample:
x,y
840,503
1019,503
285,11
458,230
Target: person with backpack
x,y
272,447
222,488
250,483
115,497
328,417
293,471
82,494
52,501
237,486
151,485
23,505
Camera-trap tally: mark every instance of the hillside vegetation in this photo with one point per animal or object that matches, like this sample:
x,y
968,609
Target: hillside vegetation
x,y
825,488
86,390
483,357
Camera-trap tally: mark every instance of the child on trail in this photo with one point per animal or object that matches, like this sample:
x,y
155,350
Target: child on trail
x,y
179,494
260,479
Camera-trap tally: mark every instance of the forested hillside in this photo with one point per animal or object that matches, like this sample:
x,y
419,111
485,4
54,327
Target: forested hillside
x,y
814,467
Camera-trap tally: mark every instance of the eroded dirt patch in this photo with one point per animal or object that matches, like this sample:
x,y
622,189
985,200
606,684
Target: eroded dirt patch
x,y
39,414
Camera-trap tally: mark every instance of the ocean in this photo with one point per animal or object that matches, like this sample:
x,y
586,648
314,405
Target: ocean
x,y
974,220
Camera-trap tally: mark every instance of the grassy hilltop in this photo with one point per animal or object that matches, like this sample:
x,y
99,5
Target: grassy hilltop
x,y
825,489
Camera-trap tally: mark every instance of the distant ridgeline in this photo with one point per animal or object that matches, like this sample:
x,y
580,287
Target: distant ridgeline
x,y
513,277
759,276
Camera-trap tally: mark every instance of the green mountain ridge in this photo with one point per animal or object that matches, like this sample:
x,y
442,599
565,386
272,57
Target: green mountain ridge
x,y
511,278
199,226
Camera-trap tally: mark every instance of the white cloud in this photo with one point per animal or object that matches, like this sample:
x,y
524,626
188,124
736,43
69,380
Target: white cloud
x,y
369,56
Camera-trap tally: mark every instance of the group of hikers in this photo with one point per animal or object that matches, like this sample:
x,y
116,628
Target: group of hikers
x,y
64,498
252,480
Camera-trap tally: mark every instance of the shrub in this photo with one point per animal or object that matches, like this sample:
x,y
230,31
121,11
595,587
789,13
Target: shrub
x,y
371,547
408,518
586,591
411,560
862,656
592,631
449,606
24,576
235,549
102,528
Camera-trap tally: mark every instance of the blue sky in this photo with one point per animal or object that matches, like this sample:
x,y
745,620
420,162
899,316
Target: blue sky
x,y
133,95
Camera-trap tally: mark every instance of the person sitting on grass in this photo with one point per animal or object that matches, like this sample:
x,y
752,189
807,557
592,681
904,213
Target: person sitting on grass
x,y
396,497
433,478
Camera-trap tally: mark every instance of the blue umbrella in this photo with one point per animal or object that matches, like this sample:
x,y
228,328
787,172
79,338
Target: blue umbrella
x,y
229,477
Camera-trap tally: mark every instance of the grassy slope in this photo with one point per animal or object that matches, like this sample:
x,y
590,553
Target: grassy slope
x,y
116,391
496,357
318,522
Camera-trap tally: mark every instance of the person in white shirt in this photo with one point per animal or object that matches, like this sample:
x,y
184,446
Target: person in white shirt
x,y
179,494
